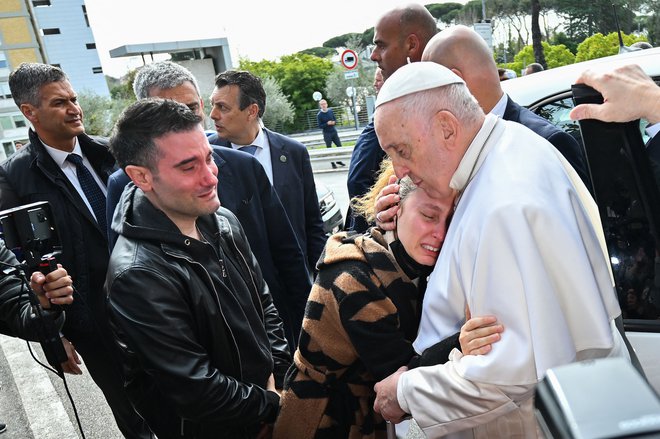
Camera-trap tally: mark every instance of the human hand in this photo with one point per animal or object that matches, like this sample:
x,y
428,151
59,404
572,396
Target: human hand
x,y
478,334
71,365
628,94
387,205
331,122
54,288
386,402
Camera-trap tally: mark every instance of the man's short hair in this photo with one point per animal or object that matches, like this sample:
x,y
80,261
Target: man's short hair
x,y
133,137
26,81
251,91
163,75
533,68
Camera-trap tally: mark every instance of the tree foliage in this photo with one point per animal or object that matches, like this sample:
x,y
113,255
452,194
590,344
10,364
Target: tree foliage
x,y
583,19
321,52
298,75
101,112
278,108
124,90
599,45
341,40
444,12
555,56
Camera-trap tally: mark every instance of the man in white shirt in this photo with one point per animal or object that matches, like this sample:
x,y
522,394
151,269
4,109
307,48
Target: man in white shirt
x,y
524,245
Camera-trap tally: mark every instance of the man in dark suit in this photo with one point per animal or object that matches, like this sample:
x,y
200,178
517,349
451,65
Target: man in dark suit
x,y
239,101
245,190
462,50
67,168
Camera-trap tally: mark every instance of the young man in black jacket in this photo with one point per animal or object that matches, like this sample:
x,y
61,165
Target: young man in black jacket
x,y
203,346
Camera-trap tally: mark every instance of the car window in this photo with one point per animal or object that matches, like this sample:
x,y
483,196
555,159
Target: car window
x,y
626,191
623,200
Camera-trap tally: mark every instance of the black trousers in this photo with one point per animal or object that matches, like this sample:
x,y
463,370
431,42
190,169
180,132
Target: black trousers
x,y
331,137
106,373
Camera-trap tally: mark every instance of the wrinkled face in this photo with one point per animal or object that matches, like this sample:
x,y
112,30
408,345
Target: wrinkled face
x,y
390,52
323,104
416,148
421,226
184,184
58,119
185,94
231,122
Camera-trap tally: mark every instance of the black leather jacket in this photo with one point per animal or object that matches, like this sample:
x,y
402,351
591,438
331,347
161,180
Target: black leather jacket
x,y
184,369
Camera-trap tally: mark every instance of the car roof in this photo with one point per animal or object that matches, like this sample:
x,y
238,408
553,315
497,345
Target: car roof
x,y
527,90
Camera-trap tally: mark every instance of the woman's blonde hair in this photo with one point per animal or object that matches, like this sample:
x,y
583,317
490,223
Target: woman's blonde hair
x,y
366,205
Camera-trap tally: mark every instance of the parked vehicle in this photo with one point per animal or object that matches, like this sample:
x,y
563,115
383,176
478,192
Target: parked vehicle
x,y
627,195
330,212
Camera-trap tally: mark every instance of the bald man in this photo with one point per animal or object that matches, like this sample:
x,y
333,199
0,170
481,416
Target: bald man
x,y
400,36
462,50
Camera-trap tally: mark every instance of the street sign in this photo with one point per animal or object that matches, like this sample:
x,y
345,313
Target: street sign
x,y
349,59
317,96
351,75
485,30
350,91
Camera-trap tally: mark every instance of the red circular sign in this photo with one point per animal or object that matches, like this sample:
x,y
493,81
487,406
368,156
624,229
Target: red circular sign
x,y
349,59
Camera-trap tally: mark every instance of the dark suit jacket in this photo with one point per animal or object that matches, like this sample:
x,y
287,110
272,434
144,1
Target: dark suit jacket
x,y
365,164
294,183
564,142
245,190
31,175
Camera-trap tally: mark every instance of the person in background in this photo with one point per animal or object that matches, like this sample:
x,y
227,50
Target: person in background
x,y
18,145
202,344
245,190
519,210
378,79
69,169
327,122
400,36
533,68
239,101
362,316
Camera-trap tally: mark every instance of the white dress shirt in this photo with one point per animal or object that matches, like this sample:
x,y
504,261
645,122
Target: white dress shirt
x,y
262,153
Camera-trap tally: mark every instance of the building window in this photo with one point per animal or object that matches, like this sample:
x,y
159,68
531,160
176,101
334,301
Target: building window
x,y
38,3
5,123
91,45
19,121
84,9
97,70
51,31
5,92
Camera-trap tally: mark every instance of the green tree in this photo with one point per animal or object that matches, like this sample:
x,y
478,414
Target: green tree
x,y
536,33
278,108
599,45
124,90
100,112
298,75
444,12
341,40
584,19
555,55
321,52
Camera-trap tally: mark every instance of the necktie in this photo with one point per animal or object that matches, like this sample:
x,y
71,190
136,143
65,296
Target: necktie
x,y
250,149
91,189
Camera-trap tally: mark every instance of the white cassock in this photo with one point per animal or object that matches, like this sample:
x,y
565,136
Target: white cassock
x,y
523,246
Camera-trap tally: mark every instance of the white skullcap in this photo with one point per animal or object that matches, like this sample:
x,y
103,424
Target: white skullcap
x,y
415,77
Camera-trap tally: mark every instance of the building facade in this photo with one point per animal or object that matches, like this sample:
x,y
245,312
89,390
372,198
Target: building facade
x,y
56,32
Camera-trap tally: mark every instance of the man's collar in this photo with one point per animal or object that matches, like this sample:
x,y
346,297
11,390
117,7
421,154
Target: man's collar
x,y
60,156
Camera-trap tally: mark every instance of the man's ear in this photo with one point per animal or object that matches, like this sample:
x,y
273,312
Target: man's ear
x,y
253,111
415,47
29,112
458,73
448,126
141,176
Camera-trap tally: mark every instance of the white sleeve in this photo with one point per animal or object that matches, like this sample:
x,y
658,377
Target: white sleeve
x,y
443,402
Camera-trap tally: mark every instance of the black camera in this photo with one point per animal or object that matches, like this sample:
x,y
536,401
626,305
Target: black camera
x,y
29,232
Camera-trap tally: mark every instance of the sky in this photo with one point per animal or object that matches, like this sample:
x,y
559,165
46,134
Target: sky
x,y
255,30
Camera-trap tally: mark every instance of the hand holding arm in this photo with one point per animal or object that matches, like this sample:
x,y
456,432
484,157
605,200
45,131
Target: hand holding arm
x,y
71,365
55,287
628,94
478,334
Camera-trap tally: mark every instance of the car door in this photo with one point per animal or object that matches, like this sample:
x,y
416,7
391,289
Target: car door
x,y
625,186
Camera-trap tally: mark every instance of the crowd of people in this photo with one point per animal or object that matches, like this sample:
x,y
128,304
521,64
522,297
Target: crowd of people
x,y
205,300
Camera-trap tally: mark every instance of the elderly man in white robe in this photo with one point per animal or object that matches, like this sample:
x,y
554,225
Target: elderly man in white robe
x,y
525,244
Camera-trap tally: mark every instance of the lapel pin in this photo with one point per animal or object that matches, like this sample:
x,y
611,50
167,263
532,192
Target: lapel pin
x,y
283,158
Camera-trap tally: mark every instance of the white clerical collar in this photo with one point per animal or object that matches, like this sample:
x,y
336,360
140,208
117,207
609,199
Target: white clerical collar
x,y
500,107
261,142
473,158
60,156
